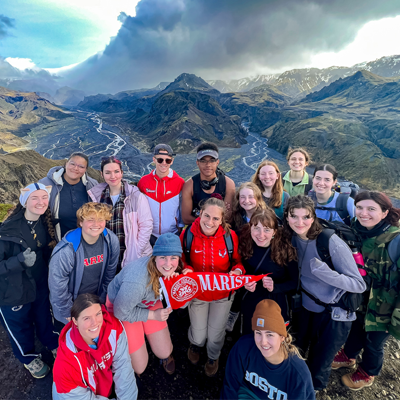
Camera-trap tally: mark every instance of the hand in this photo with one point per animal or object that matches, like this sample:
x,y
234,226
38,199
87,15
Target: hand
x,y
251,287
173,275
162,314
235,272
268,283
29,257
186,271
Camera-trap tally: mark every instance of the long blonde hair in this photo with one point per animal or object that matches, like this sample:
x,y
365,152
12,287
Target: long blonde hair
x,y
155,274
237,209
214,201
277,190
289,349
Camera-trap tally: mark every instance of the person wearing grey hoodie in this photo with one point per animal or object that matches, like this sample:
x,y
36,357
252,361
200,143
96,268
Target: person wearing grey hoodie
x,y
70,184
323,330
85,261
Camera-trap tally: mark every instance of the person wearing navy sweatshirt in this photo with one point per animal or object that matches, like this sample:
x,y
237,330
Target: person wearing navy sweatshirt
x,y
266,365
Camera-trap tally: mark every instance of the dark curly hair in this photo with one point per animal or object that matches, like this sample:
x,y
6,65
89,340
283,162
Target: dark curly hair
x,y
282,250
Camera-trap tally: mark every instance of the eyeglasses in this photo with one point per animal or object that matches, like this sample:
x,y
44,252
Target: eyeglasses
x,y
161,160
204,162
73,164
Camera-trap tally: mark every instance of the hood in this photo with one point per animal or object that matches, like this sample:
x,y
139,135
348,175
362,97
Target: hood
x,y
196,230
97,190
171,175
55,175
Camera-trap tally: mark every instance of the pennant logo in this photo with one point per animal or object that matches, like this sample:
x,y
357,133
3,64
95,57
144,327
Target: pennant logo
x,y
184,289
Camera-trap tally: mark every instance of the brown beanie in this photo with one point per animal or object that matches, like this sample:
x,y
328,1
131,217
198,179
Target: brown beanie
x,y
267,317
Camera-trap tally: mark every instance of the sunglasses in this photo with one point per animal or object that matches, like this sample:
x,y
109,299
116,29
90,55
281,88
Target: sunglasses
x,y
161,160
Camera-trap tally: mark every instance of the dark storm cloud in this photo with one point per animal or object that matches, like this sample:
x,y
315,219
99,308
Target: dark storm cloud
x,y
207,37
5,24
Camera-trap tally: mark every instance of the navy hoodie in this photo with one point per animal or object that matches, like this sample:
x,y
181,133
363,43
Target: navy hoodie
x,y
248,375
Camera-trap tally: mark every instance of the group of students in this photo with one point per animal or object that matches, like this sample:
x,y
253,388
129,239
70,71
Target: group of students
x,y
91,255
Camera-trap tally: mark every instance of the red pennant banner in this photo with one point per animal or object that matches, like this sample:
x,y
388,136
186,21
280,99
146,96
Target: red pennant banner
x,y
207,286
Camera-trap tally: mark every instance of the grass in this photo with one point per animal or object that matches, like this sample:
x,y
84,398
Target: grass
x,y
3,210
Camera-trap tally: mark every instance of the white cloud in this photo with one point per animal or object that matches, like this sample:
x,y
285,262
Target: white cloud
x,y
21,63
374,40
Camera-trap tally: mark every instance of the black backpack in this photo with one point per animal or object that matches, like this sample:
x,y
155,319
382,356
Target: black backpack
x,y
188,239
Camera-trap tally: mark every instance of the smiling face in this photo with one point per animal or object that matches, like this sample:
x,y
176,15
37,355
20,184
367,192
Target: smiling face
x,y
210,220
269,343
369,213
112,174
261,234
162,169
167,265
92,227
300,220
297,161
208,167
268,176
75,168
247,200
323,182
37,204
89,323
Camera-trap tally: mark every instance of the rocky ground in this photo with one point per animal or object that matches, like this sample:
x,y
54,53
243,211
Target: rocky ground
x,y
189,382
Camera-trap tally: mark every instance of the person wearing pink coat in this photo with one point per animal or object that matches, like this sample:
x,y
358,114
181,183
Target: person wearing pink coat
x,y
132,221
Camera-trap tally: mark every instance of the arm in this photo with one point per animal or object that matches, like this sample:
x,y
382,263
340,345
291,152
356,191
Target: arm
x,y
126,303
145,224
229,196
12,264
111,268
234,374
79,393
346,275
124,376
290,284
187,202
60,269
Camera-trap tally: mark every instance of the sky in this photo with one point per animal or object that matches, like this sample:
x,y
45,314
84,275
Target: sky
x,y
107,46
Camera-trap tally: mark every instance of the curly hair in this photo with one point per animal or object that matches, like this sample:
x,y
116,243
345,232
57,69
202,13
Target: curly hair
x,y
214,201
289,349
295,203
155,274
384,203
237,210
277,190
101,210
282,250
46,219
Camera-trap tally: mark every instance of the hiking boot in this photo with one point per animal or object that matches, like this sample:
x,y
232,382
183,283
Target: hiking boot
x,y
232,318
194,354
357,380
54,352
211,367
342,361
168,364
37,368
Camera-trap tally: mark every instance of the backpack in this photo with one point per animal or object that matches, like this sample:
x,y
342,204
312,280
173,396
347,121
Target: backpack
x,y
188,239
348,187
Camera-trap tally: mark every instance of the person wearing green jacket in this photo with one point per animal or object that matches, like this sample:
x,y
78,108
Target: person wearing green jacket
x,y
297,180
378,227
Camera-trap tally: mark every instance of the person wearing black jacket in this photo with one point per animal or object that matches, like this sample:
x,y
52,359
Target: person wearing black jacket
x,y
264,251
26,240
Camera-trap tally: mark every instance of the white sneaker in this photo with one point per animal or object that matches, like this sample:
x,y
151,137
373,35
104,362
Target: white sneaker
x,y
232,318
37,368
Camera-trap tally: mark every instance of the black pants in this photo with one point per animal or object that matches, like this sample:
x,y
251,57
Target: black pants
x,y
21,322
371,342
322,337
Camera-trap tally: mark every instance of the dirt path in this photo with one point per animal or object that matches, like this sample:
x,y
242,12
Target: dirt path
x,y
189,382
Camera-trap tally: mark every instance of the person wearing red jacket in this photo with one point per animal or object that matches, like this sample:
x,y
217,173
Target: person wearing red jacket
x,y
162,188
92,354
209,253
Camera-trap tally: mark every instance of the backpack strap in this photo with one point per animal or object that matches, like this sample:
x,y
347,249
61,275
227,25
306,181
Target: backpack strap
x,y
323,246
341,205
187,243
222,182
309,185
229,246
394,249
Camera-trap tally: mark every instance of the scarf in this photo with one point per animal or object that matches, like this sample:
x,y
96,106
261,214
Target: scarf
x,y
377,230
116,224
